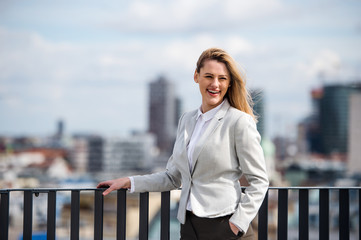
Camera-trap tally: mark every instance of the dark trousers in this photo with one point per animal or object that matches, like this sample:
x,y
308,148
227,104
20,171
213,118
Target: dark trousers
x,y
197,228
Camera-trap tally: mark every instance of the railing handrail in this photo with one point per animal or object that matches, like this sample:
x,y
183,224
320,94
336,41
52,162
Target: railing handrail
x,y
45,190
282,225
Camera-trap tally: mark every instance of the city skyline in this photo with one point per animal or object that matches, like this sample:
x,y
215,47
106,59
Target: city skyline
x,y
89,63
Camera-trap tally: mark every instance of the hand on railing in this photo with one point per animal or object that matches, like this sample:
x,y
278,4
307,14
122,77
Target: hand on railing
x,y
114,184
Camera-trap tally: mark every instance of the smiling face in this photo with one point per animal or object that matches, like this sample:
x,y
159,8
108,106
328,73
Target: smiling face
x,y
213,80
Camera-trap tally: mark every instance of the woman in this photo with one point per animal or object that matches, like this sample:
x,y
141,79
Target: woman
x,y
215,145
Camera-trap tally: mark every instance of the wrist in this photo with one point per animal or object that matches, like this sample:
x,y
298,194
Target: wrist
x,y
127,183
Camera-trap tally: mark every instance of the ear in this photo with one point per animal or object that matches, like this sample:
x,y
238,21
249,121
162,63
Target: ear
x,y
196,75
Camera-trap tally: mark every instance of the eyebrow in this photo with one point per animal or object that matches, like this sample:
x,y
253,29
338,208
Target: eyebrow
x,y
223,75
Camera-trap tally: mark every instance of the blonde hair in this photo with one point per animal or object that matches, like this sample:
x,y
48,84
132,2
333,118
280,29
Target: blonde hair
x,y
237,94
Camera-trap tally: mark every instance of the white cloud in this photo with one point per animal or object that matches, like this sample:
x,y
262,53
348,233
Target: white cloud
x,y
190,16
71,61
325,64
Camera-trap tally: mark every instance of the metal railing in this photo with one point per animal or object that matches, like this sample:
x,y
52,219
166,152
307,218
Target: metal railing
x,y
263,224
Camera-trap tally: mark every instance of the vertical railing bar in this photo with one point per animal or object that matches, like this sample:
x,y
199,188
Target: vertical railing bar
x,y
143,215
359,214
263,219
282,227
121,214
344,214
75,213
28,215
324,208
98,214
4,216
165,216
303,225
51,224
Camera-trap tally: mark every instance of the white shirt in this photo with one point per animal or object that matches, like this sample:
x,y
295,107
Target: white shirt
x,y
203,120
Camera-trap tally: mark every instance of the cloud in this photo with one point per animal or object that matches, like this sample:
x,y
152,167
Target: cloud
x,y
62,78
72,59
192,16
325,64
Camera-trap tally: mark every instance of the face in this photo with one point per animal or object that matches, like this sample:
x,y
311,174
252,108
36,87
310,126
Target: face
x,y
213,80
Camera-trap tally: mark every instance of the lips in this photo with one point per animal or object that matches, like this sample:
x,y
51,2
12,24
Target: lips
x,y
212,92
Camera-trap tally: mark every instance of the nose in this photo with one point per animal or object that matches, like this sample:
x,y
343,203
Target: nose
x,y
215,82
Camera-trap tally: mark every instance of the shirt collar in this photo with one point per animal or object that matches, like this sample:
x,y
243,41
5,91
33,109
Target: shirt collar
x,y
209,114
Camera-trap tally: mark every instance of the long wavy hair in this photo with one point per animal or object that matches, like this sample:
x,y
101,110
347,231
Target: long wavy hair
x,y
237,94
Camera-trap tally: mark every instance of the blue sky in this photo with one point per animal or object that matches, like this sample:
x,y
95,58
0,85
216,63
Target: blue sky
x,y
90,62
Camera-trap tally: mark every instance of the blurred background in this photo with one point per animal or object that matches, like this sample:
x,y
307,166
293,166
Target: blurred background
x,y
92,90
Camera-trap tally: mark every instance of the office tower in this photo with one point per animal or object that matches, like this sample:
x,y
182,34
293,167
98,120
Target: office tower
x,y
87,153
79,155
60,129
313,123
354,156
162,113
95,154
178,111
258,108
131,153
334,117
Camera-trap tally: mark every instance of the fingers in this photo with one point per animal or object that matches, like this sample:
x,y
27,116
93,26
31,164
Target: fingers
x,y
106,184
114,185
103,184
234,229
109,190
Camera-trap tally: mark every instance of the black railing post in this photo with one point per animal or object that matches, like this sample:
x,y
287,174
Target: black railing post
x,y
344,214
324,208
165,216
143,216
359,214
303,227
51,224
121,214
75,213
98,215
263,219
282,227
28,215
4,216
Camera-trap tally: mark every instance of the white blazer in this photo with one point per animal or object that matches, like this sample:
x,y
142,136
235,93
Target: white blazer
x,y
229,147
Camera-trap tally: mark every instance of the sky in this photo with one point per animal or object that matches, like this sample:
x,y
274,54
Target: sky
x,y
90,62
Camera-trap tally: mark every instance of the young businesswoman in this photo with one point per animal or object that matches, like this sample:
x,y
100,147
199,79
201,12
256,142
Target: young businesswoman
x,y
215,145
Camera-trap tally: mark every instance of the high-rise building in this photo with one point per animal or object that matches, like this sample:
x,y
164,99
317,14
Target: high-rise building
x,y
354,156
334,117
79,155
87,153
312,123
178,111
95,155
60,129
131,153
162,113
258,108
112,155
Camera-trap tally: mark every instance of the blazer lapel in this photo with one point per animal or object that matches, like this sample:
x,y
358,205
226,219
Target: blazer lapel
x,y
215,122
189,127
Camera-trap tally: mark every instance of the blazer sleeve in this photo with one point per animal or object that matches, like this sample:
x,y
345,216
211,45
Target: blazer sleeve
x,y
162,181
159,182
251,160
